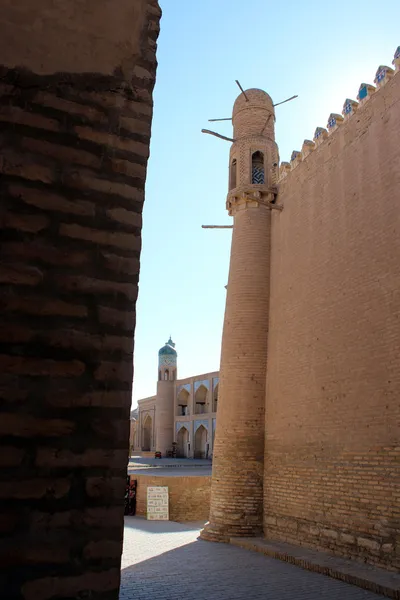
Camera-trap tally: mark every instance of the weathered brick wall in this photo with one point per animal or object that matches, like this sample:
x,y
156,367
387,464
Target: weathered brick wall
x,y
75,116
189,497
333,383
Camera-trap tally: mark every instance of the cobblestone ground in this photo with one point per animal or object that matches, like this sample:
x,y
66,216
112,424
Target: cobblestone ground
x,y
166,561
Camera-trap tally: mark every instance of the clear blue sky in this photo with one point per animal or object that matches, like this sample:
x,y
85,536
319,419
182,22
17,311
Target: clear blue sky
x,y
316,49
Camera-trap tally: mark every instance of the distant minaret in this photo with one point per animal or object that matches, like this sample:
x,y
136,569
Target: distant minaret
x,y
238,458
167,372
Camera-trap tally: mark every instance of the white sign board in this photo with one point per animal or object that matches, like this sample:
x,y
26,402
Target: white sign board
x,y
157,503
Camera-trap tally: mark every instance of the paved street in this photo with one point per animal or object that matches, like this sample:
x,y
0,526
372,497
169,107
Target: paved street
x,y
166,561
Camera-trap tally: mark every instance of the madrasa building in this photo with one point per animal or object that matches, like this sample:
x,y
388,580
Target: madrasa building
x,y
183,412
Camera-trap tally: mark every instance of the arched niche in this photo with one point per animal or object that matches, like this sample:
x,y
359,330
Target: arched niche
x,y
182,440
183,402
215,398
200,442
147,434
233,174
200,400
257,168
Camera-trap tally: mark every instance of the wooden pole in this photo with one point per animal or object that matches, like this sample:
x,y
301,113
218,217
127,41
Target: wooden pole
x,y
223,137
217,226
242,90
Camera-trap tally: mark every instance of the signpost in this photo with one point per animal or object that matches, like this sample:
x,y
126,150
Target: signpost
x,y
157,503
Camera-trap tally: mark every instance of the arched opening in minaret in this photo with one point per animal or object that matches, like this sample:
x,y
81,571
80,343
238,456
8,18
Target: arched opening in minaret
x,y
159,375
166,375
182,440
200,400
183,402
257,168
147,434
233,174
215,399
200,441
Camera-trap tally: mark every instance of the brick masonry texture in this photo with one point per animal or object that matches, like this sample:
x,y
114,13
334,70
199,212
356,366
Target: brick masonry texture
x,y
331,477
189,497
74,150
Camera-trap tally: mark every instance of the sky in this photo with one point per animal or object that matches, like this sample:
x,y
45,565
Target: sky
x,y
315,49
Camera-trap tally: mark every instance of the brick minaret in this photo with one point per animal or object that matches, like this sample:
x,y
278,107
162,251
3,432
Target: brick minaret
x,y
237,483
167,366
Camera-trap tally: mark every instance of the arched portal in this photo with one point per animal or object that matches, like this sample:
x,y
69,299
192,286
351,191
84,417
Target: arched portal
x,y
182,440
215,399
257,168
233,174
166,375
147,434
200,400
200,442
183,402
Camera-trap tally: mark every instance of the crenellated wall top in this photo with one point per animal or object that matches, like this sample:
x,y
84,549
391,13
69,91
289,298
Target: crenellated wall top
x,y
365,91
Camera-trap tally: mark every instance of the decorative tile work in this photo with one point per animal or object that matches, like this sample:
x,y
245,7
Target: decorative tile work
x,y
383,73
365,91
257,175
180,424
349,106
319,132
167,360
204,382
183,386
198,423
333,121
215,382
257,168
295,154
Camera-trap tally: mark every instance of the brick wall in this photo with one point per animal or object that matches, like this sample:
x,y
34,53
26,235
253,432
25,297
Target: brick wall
x,y
333,383
74,150
189,497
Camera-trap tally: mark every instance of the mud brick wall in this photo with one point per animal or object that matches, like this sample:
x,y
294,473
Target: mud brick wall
x,y
75,117
189,497
333,383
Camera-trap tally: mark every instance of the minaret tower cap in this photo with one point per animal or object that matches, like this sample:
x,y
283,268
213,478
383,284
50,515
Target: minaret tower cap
x,y
250,111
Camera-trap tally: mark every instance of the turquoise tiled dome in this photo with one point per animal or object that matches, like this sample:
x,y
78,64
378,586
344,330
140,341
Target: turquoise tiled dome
x,y
168,349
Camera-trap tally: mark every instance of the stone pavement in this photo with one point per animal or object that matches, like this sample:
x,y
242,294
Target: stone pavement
x,y
143,462
166,561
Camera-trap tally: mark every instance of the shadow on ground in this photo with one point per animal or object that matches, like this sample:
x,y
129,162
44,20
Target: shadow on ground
x,y
167,561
